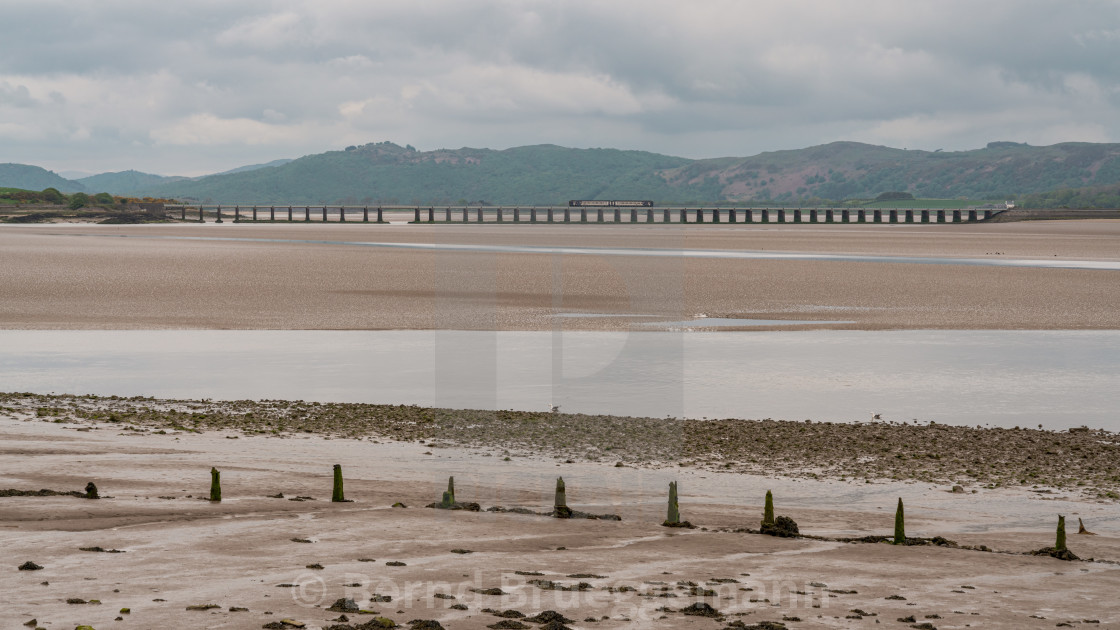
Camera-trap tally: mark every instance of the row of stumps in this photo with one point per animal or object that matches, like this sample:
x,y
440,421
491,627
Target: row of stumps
x,y
782,526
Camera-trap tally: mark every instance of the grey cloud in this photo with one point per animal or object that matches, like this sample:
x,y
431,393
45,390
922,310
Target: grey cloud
x,y
714,78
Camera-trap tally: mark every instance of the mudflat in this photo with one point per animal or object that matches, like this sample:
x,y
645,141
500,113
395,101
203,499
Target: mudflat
x,y
276,276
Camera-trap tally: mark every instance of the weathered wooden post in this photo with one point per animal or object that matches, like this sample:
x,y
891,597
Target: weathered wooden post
x,y
830,216
674,513
768,510
215,485
561,509
337,495
940,216
1060,542
448,499
91,491
899,525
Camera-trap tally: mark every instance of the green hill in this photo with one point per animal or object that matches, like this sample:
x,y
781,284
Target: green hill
x,y
547,174
387,173
124,182
30,177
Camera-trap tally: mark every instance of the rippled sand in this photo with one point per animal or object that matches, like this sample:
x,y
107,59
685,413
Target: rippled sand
x,y
76,276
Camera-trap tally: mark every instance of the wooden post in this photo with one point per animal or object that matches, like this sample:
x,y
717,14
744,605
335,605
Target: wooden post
x,y
336,494
561,509
674,513
215,485
899,525
768,509
1060,542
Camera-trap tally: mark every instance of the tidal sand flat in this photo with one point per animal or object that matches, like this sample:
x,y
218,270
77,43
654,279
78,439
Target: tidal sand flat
x,y
306,277
276,550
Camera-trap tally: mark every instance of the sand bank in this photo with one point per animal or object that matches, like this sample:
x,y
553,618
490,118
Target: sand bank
x,y
73,276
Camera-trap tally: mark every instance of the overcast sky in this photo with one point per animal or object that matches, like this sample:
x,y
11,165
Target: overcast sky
x,y
191,87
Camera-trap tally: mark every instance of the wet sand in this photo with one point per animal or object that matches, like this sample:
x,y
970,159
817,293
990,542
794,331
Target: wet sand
x,y
181,551
121,277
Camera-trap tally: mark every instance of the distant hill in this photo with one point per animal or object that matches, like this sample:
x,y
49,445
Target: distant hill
x,y
30,177
253,167
548,174
124,182
386,173
843,170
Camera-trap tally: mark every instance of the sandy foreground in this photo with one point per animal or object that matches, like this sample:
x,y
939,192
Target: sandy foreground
x,y
181,551
120,277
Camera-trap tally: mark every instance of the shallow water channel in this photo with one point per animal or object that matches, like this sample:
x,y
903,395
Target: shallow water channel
x,y
1057,379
